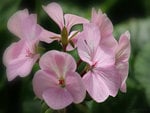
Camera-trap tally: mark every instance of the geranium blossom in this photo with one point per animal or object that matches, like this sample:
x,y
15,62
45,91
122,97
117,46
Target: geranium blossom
x,y
101,79
19,59
122,56
57,82
20,56
64,21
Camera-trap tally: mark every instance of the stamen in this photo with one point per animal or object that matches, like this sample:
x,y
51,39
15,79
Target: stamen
x,y
62,83
29,53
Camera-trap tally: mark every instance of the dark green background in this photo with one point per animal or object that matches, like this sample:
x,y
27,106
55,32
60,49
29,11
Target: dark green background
x,y
133,15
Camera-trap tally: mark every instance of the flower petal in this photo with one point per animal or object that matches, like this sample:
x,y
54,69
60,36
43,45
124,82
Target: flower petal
x,y
103,58
58,62
20,67
106,28
71,20
103,22
95,87
123,49
31,29
54,10
15,22
123,68
100,83
75,86
42,81
110,78
57,97
12,52
48,37
88,42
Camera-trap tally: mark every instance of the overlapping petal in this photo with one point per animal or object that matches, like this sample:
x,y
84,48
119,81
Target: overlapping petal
x,y
57,98
15,22
71,20
55,11
95,87
30,29
122,57
105,26
48,37
102,82
42,81
123,69
20,67
75,86
57,62
88,42
123,49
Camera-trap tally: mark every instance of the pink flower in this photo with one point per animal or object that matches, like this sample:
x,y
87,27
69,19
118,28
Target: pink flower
x,y
20,57
57,82
64,21
106,28
122,57
101,79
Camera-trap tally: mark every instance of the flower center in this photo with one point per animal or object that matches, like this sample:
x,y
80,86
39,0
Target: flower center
x,y
29,53
62,83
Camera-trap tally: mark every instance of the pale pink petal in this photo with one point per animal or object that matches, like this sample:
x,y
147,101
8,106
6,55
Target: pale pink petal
x,y
71,20
123,49
15,23
100,83
123,68
108,43
95,87
20,67
75,86
105,26
88,42
12,52
48,37
103,22
54,10
57,97
42,81
103,58
58,62
31,29
110,78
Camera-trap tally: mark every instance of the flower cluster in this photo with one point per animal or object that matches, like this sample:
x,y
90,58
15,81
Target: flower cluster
x,y
58,82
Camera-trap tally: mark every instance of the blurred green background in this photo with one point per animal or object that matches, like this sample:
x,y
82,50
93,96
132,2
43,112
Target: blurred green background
x,y
133,15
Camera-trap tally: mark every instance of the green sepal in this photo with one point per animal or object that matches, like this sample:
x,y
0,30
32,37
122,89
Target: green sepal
x,y
64,37
44,107
40,49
